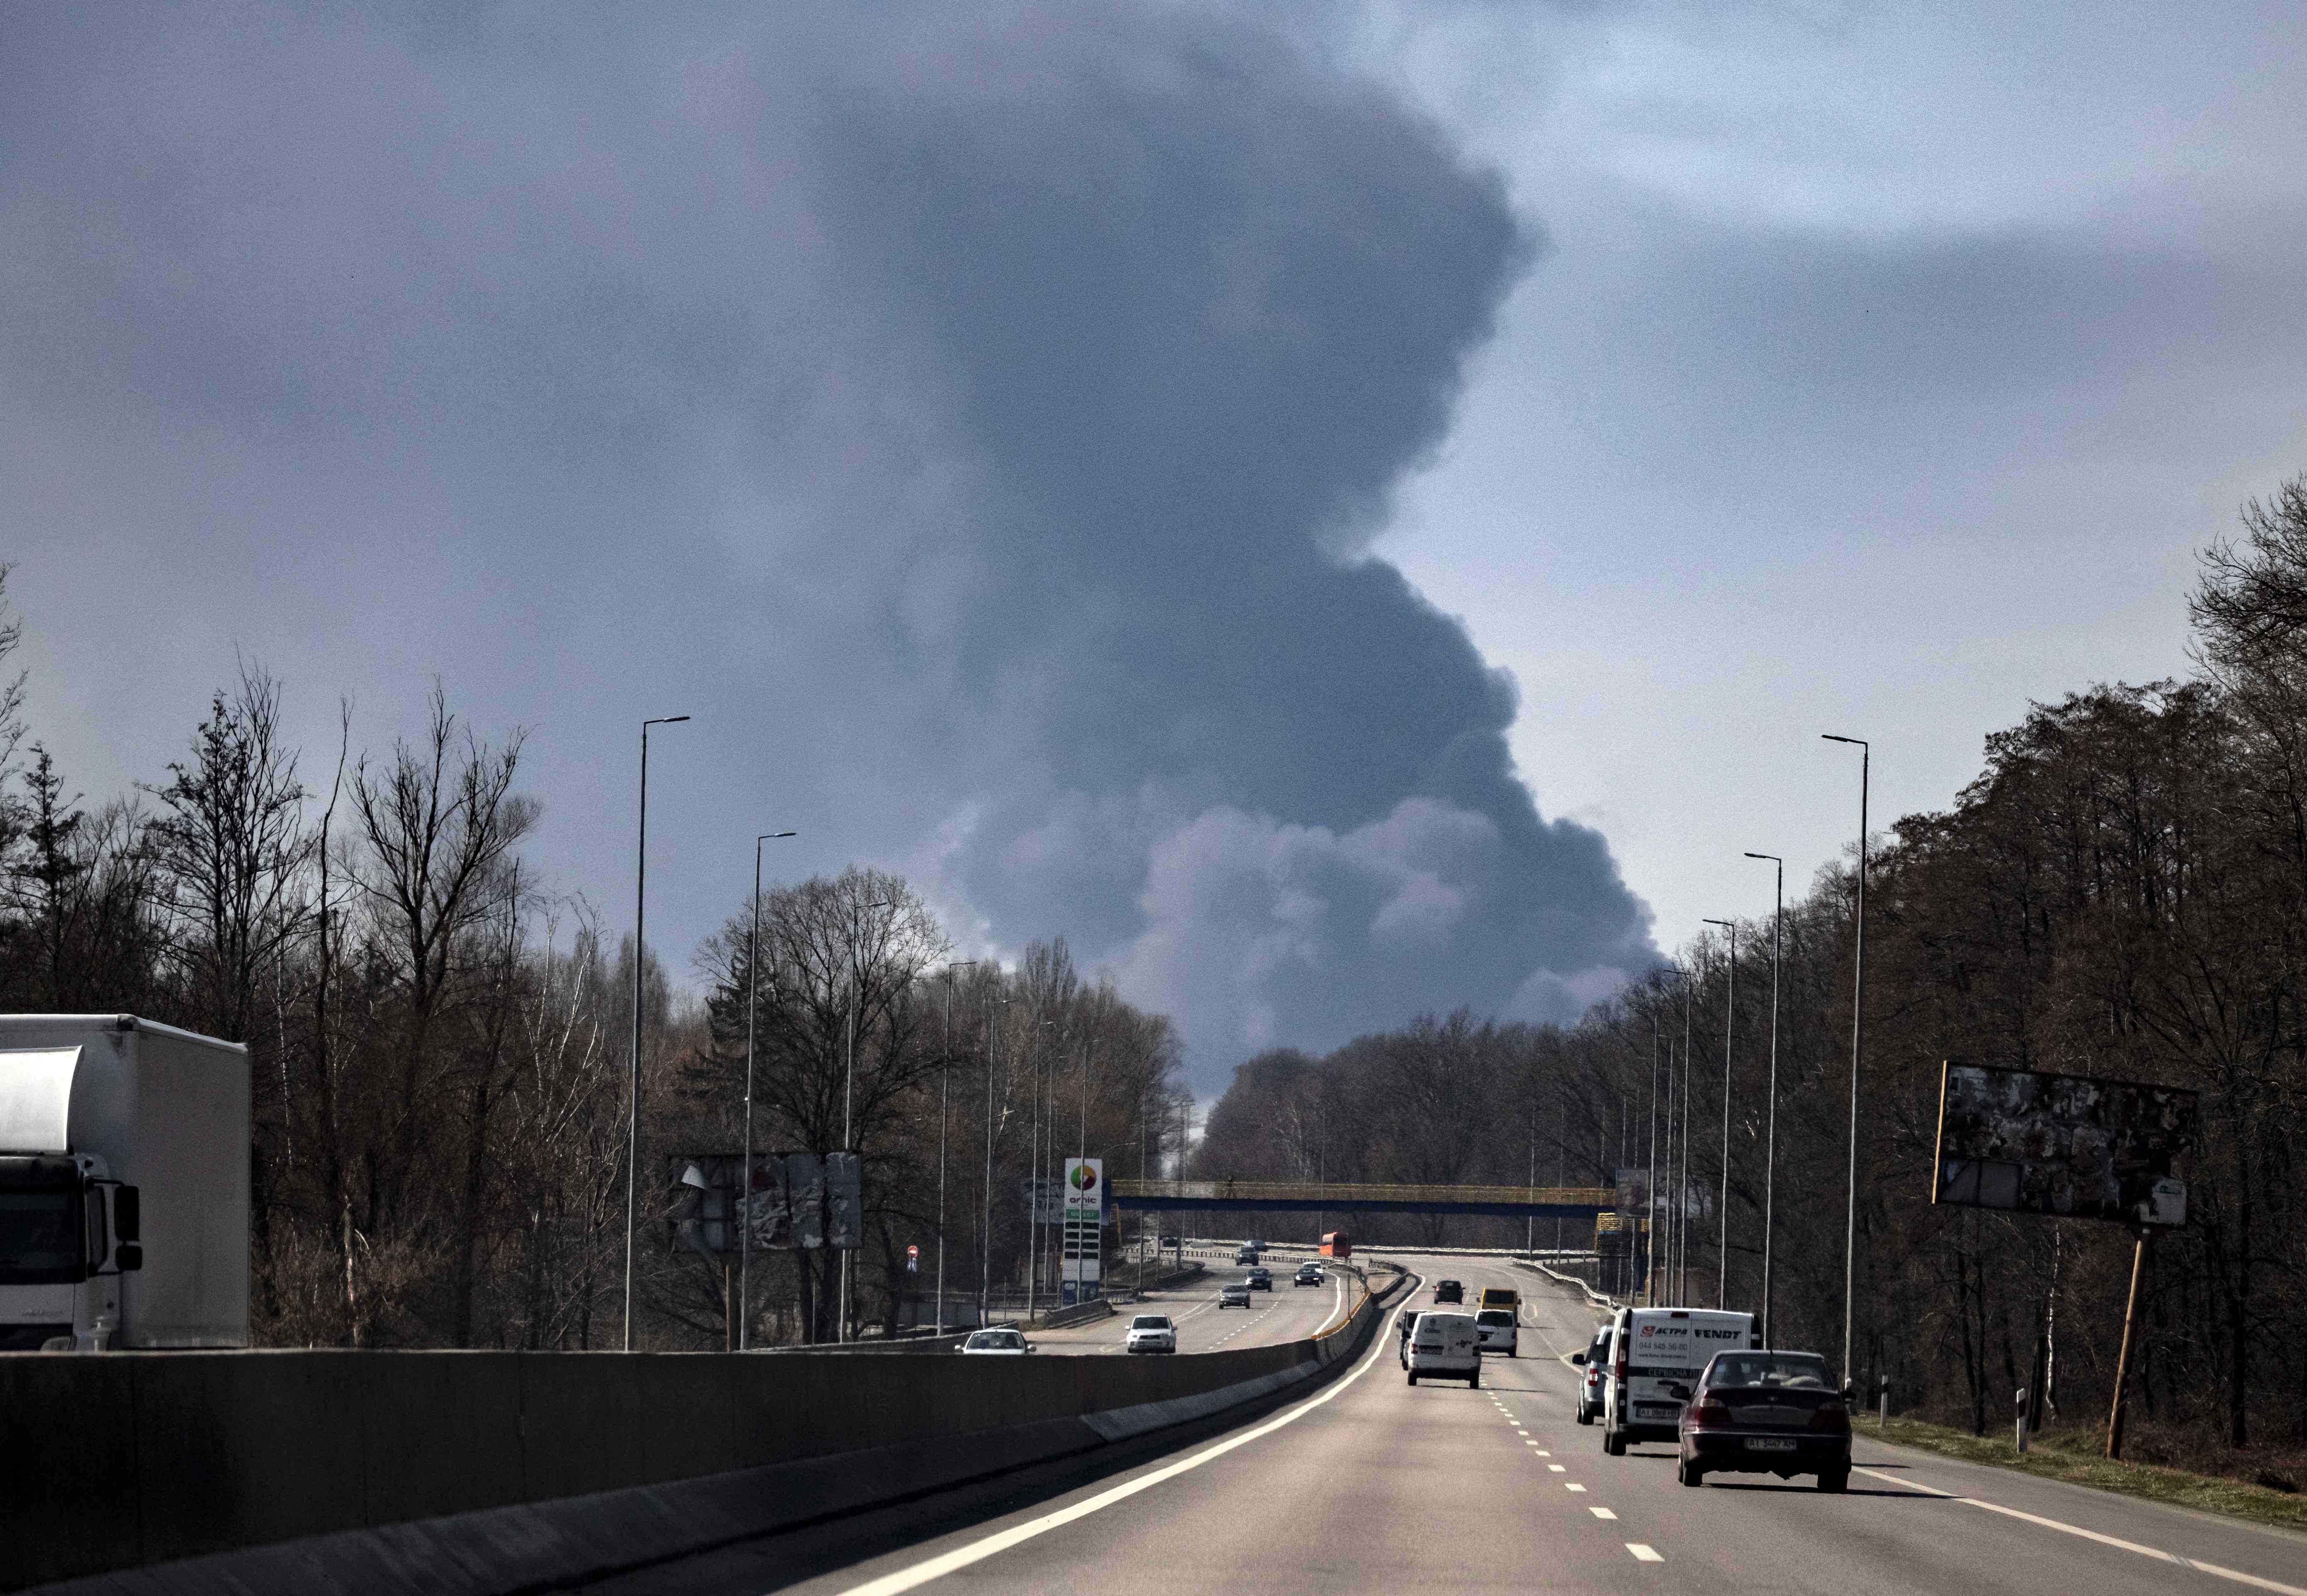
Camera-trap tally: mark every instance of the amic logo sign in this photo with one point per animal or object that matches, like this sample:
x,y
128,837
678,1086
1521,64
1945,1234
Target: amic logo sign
x,y
1083,1178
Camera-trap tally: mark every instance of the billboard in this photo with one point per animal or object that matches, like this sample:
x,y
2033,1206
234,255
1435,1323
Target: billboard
x,y
1044,1200
800,1200
1634,1195
2077,1147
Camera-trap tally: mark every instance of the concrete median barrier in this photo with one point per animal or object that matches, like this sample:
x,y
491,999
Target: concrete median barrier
x,y
498,1471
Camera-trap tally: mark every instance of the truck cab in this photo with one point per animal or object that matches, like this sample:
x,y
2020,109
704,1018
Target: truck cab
x,y
68,1232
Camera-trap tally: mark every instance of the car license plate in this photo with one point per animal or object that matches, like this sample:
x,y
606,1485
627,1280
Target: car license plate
x,y
1657,1409
1768,1444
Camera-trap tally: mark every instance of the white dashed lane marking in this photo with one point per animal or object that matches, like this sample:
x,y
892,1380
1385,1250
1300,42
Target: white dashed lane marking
x,y
1643,1554
1601,1513
1572,1485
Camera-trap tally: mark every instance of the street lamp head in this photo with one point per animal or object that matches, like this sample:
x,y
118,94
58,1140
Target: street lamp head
x,y
665,720
1774,859
1724,923
1856,741
773,836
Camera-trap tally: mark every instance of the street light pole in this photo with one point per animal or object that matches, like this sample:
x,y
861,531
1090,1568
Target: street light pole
x,y
1857,1013
849,1090
1656,1277
945,1098
1770,1137
1682,1186
752,1011
1646,1227
1722,1209
633,1100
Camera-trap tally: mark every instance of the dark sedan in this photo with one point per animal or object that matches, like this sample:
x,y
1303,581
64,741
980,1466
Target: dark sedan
x,y
1449,1290
1764,1413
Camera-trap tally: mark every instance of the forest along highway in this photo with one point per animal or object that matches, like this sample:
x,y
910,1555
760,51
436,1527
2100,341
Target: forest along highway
x,y
1286,1313
1370,1485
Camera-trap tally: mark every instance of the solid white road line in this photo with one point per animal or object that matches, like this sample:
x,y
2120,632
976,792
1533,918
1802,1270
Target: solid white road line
x,y
977,1551
2131,1546
1643,1554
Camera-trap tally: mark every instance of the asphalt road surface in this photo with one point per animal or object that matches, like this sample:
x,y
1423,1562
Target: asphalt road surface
x,y
1286,1313
1369,1485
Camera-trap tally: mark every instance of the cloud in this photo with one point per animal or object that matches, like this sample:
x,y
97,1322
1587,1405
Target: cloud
x,y
976,417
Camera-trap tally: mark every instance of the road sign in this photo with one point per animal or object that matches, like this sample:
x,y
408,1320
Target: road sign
x,y
912,1259
1085,1221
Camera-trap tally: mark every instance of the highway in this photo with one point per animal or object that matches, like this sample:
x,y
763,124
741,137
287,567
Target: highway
x,y
1369,1485
1286,1313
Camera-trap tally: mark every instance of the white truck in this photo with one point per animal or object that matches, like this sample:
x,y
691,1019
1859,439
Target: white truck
x,y
123,1185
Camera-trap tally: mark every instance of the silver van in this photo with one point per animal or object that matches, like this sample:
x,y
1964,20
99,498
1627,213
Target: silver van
x,y
1445,1346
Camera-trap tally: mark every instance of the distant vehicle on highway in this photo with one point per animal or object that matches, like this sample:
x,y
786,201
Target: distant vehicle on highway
x,y
1409,1325
1308,1274
1496,1331
1169,1243
1151,1333
1595,1362
1261,1280
996,1344
1656,1354
1500,1296
1449,1290
1245,1254
1236,1295
1445,1346
1767,1412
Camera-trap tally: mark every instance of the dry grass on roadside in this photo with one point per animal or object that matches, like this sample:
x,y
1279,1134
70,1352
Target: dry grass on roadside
x,y
2074,1455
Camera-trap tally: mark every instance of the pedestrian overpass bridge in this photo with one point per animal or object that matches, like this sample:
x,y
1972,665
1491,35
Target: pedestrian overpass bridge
x,y
1316,1197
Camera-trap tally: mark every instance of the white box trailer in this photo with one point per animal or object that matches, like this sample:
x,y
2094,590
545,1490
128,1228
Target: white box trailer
x,y
123,1185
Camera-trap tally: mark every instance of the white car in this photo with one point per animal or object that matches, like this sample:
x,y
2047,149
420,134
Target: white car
x,y
1496,1331
1445,1346
1152,1333
1656,1357
996,1344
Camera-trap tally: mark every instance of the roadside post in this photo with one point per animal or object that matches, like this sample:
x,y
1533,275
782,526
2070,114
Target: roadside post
x,y
2130,1336
2021,1425
1882,1402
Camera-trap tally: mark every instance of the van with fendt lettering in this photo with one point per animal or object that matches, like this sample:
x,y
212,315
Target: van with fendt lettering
x,y
1656,1357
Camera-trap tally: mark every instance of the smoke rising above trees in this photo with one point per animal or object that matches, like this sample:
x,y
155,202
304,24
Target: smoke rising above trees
x,y
1011,395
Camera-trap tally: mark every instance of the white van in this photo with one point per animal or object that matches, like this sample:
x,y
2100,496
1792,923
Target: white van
x,y
1656,1354
1445,1346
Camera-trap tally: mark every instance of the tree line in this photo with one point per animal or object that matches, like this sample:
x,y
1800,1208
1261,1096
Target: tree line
x,y
440,1052
2121,892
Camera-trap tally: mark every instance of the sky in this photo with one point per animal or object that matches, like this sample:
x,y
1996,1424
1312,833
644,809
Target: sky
x,y
1333,509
